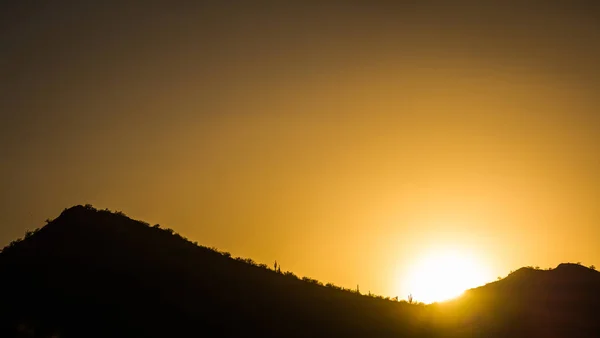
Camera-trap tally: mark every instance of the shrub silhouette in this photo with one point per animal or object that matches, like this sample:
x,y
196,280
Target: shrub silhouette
x,y
290,274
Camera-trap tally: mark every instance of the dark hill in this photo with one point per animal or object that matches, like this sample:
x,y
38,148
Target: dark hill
x,y
562,302
94,273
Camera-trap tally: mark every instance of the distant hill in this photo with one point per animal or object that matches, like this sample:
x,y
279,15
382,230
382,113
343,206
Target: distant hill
x,y
562,302
95,273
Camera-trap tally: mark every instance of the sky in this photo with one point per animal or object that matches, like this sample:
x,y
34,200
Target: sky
x,y
345,139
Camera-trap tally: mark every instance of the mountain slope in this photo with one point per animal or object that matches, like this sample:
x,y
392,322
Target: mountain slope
x,y
562,302
95,273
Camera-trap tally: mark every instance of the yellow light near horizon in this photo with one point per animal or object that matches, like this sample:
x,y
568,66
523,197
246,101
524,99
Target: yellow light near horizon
x,y
442,276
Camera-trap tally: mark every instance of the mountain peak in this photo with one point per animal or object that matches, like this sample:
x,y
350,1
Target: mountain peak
x,y
575,270
79,211
572,267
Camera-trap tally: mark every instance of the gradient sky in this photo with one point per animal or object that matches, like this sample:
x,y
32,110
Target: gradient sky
x,y
344,139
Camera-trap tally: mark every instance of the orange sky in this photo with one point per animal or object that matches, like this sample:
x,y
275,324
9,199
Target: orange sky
x,y
345,141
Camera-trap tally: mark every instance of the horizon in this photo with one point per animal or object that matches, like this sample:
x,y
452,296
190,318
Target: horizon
x,y
373,143
425,299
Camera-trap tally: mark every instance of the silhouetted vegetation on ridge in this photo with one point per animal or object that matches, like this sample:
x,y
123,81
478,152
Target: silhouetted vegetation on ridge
x,y
97,273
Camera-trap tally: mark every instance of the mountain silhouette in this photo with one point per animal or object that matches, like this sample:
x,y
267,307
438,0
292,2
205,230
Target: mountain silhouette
x,y
560,302
96,273
92,273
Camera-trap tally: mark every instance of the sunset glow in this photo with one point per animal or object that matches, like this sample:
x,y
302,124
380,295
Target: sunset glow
x,y
350,141
440,276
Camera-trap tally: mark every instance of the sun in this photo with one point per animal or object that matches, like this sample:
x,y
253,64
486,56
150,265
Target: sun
x,y
442,276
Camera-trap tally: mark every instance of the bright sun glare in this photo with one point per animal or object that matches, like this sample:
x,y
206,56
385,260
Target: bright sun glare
x,y
444,275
